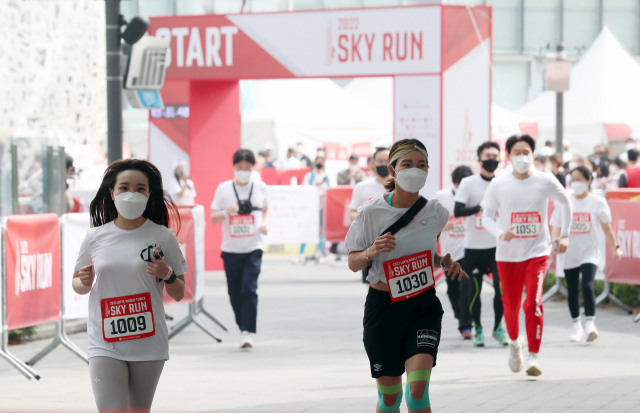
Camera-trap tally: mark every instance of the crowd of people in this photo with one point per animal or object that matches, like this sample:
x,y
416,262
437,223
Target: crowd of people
x,y
493,223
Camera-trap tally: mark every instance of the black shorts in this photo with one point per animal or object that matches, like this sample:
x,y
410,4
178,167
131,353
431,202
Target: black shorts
x,y
393,333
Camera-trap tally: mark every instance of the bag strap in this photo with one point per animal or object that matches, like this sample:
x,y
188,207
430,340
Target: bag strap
x,y
407,217
236,192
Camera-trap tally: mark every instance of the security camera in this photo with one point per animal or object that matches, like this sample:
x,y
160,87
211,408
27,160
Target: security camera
x,y
136,28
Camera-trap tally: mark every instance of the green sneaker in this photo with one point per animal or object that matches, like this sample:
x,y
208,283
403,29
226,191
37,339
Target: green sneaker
x,y
501,335
478,341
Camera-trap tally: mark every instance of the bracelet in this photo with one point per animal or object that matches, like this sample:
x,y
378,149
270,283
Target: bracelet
x,y
171,279
442,264
366,256
169,274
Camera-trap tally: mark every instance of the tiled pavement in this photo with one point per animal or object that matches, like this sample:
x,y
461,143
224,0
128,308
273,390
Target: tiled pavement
x,y
309,358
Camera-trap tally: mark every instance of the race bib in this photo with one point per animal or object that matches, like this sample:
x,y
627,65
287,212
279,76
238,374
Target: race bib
x,y
242,226
479,220
409,276
458,226
127,318
526,224
581,223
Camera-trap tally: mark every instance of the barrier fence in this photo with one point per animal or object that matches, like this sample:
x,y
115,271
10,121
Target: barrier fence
x,y
37,261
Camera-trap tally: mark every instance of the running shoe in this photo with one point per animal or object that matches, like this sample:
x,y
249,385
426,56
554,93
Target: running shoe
x,y
246,341
533,367
516,359
478,341
300,259
590,329
577,333
467,334
501,335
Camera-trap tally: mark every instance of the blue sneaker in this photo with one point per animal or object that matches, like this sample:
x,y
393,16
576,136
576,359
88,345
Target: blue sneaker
x,y
501,335
466,334
478,341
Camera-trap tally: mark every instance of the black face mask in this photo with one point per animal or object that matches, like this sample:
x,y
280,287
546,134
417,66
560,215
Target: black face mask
x,y
319,165
490,165
382,171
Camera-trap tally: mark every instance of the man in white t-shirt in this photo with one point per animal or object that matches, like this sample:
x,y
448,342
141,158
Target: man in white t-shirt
x,y
374,186
521,199
480,249
452,236
241,206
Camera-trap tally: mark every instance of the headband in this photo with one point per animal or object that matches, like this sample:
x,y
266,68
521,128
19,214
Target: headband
x,y
405,149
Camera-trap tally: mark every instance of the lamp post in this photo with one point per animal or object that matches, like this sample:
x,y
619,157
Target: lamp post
x,y
560,56
114,81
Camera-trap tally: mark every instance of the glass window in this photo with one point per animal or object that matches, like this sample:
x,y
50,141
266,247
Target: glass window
x,y
307,4
510,84
257,6
541,24
581,24
194,6
340,4
622,17
226,6
129,8
507,26
381,3
156,7
6,200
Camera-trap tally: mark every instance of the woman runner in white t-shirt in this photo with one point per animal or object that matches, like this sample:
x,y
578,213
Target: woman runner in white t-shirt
x,y
133,255
583,254
402,315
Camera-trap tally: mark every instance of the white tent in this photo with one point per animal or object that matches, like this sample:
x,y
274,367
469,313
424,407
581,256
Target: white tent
x,y
311,111
505,123
604,95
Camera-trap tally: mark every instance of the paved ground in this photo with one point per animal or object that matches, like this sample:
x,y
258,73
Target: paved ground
x,y
309,357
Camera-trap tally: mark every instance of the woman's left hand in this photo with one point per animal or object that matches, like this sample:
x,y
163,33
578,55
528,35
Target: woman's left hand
x,y
157,267
617,254
264,228
453,268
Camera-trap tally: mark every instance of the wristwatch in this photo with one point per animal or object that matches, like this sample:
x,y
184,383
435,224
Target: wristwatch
x,y
171,279
442,264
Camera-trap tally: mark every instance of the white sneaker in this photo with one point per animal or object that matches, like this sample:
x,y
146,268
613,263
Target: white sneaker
x,y
246,341
298,260
590,329
577,333
533,367
516,359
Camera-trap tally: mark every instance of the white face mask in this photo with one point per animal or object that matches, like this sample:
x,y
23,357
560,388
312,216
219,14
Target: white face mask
x,y
131,205
411,179
579,188
522,163
242,176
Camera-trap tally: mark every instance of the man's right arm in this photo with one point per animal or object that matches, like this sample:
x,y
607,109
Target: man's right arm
x,y
461,210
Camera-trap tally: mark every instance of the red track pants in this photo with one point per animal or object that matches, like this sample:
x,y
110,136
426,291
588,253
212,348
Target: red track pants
x,y
530,275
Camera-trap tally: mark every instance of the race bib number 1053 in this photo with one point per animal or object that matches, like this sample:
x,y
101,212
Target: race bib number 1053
x,y
409,276
526,224
127,318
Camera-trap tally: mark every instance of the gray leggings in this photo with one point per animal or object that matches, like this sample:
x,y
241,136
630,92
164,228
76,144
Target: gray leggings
x,y
124,385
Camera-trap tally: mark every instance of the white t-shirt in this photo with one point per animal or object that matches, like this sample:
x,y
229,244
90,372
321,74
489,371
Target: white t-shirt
x,y
232,240
522,206
312,178
470,192
187,198
452,241
364,191
376,215
589,214
121,271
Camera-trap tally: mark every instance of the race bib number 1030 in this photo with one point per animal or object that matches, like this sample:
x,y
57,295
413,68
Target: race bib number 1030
x,y
409,276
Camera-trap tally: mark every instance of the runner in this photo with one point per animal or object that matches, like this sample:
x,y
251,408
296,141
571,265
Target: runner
x,y
521,199
132,255
452,237
480,249
241,206
372,187
583,254
395,236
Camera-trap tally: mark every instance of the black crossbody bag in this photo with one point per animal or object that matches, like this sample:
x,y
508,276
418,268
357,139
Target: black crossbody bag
x,y
402,222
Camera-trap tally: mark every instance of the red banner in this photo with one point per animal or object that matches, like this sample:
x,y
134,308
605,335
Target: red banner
x,y
32,254
336,213
188,246
626,226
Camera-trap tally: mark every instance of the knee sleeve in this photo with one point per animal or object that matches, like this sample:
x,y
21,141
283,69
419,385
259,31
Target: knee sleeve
x,y
423,402
396,388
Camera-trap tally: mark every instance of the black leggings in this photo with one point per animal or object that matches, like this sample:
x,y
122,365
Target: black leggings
x,y
588,293
453,292
470,307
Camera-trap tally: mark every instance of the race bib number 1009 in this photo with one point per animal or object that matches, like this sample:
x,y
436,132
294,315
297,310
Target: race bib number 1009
x,y
127,318
526,224
409,276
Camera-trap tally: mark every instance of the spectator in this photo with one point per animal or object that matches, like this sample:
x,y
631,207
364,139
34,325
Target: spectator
x,y
181,187
616,169
304,159
371,166
629,144
261,160
601,175
547,149
566,155
291,162
631,176
353,175
540,162
270,161
555,163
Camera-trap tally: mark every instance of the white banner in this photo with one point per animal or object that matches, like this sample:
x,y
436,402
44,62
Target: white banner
x,y
295,214
73,227
199,224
